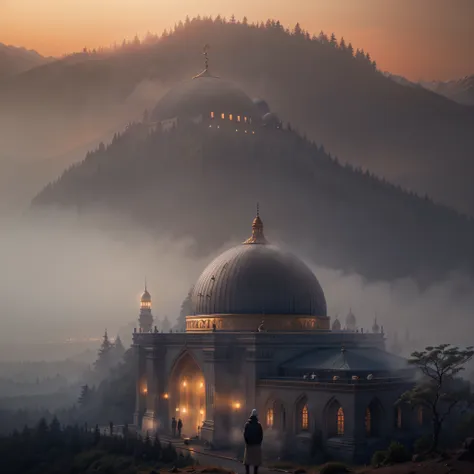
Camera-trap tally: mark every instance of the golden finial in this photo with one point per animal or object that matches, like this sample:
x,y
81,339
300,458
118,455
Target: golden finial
x,y
257,230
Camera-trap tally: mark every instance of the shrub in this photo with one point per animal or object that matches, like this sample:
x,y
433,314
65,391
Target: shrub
x,y
423,444
397,453
379,458
334,468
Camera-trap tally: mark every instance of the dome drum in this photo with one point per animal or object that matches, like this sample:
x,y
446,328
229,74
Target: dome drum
x,y
256,322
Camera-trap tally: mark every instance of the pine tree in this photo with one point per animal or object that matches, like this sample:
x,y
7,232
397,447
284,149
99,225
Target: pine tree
x,y
297,30
350,49
323,39
84,397
342,44
104,359
245,21
333,40
232,19
119,349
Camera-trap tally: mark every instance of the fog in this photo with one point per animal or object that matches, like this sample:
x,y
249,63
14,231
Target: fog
x,y
35,147
66,277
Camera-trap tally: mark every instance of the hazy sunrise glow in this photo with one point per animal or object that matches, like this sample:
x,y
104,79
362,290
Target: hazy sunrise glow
x,y
423,39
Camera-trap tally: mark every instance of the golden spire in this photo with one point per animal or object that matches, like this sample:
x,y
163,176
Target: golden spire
x,y
257,231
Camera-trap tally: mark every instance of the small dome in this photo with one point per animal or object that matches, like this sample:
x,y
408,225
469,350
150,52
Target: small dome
x,y
271,120
350,318
201,96
336,325
262,106
146,297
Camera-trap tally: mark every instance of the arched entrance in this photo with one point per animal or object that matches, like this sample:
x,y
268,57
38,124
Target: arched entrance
x,y
188,395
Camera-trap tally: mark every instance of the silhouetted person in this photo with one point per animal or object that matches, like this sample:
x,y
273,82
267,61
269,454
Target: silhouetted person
x,y
173,426
253,436
180,427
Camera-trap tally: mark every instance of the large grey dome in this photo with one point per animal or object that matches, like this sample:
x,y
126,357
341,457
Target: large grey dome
x,y
201,96
257,278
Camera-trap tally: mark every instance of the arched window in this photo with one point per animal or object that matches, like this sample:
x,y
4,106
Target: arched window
x,y
304,418
340,422
230,116
238,118
368,422
270,414
212,115
222,116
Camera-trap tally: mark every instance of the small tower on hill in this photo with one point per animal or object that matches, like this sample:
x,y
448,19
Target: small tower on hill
x,y
145,320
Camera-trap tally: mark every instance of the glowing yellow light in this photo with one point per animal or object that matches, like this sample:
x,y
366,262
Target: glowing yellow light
x,y
236,130
177,409
238,118
165,396
212,114
183,410
184,383
202,412
201,385
237,405
222,116
230,116
145,390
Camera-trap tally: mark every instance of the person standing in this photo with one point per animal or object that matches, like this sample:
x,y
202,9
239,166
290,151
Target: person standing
x,y
180,427
253,436
173,427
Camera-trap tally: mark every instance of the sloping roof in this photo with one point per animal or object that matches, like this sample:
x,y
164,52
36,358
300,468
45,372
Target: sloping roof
x,y
353,359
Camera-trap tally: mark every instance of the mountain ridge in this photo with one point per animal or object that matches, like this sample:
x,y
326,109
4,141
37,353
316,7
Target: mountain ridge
x,y
410,136
188,181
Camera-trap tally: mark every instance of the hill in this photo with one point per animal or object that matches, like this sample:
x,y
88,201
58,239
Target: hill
x,y
460,90
15,60
336,96
203,183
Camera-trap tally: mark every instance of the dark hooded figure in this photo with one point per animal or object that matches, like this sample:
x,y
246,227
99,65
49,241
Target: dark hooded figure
x,y
253,436
173,427
180,427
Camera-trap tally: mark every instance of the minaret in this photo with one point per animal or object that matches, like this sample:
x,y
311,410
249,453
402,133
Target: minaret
x,y
145,320
375,326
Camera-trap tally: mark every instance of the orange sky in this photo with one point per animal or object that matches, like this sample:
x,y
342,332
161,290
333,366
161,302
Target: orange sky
x,y
421,39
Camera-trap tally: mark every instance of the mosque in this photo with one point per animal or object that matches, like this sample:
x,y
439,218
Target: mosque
x,y
259,336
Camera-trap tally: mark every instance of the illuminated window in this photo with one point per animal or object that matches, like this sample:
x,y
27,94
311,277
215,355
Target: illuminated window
x,y
230,116
238,118
270,418
245,119
340,422
399,418
368,421
304,418
212,114
222,116
420,415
